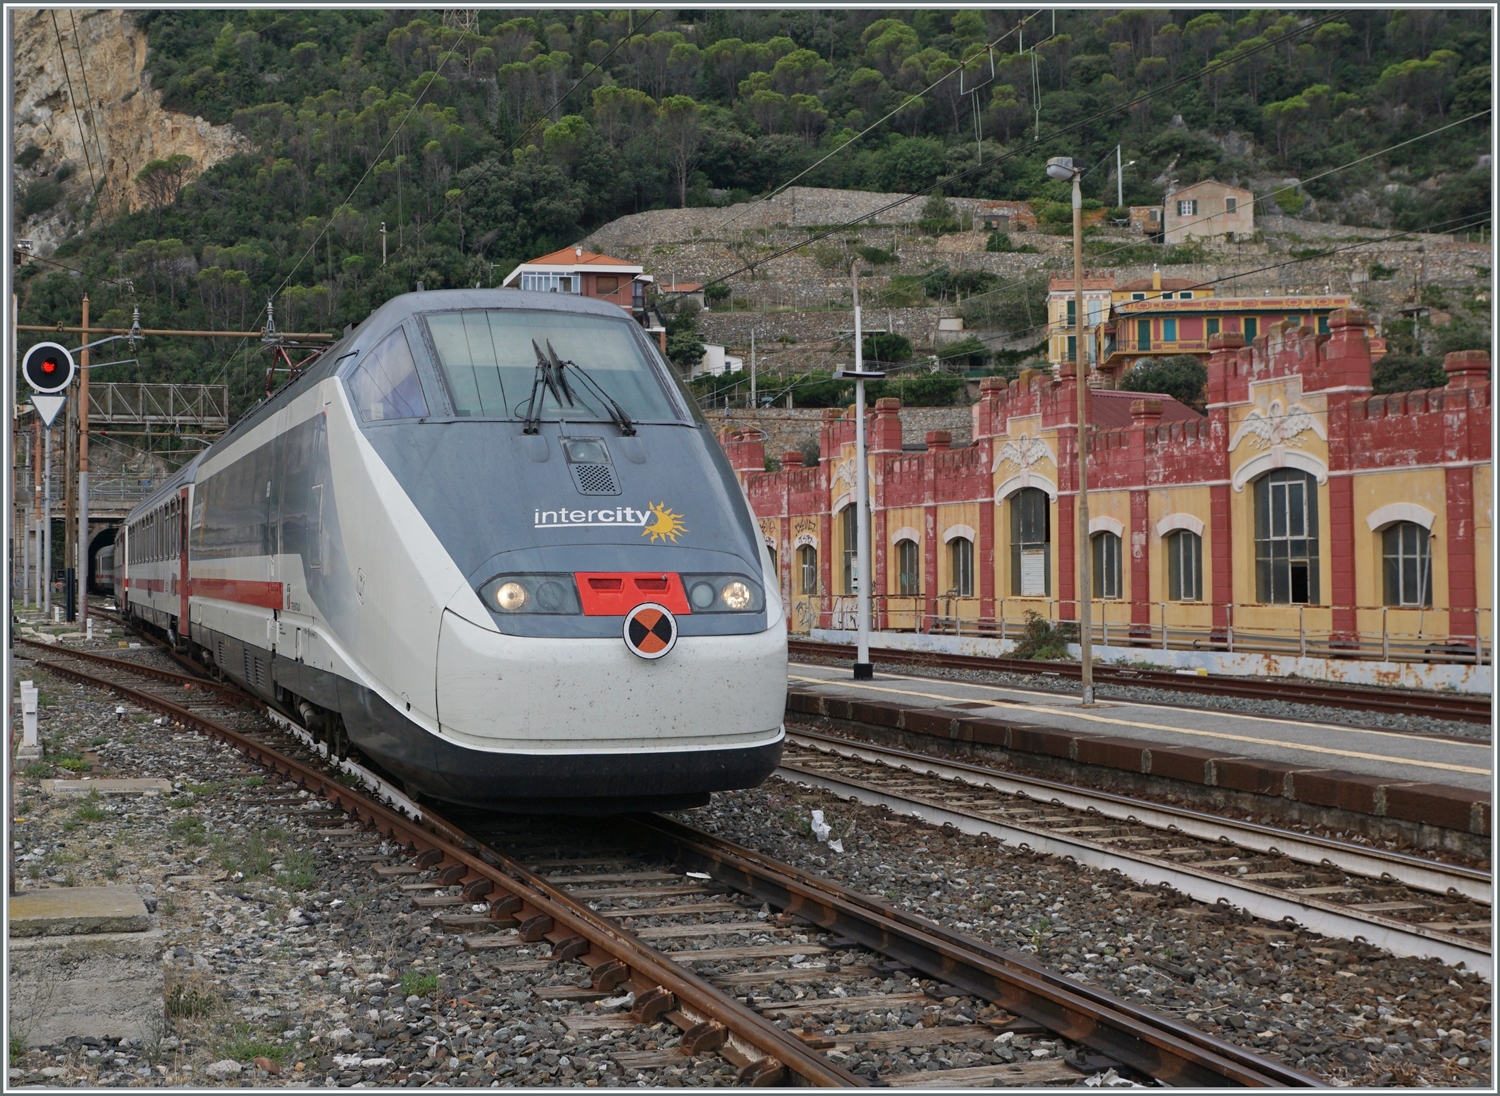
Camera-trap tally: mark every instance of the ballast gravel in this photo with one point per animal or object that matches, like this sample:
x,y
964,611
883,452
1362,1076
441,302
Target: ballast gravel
x,y
288,963
1343,1012
1281,709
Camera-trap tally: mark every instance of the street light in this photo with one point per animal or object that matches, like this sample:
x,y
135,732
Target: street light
x,y
863,668
1120,179
1066,169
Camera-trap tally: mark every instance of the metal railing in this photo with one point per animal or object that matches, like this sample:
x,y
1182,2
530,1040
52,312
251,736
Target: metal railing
x,y
1378,633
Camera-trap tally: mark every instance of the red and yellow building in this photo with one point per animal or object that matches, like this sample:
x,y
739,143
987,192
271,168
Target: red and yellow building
x,y
1301,509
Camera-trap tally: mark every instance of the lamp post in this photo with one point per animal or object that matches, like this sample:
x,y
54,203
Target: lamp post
x,y
863,668
1120,179
1064,168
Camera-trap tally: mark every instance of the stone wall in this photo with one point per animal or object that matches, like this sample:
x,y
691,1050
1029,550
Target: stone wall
x,y
792,429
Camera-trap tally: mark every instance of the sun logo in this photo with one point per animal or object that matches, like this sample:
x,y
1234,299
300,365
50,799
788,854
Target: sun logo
x,y
667,524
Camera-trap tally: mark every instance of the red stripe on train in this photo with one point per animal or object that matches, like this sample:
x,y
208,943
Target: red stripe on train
x,y
268,595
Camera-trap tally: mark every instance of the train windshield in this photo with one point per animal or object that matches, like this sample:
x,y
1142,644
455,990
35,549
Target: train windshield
x,y
489,359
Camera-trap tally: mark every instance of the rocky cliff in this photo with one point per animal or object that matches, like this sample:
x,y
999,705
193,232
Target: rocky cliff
x,y
87,119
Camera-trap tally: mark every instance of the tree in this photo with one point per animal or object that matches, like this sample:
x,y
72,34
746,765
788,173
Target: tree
x,y
160,181
965,353
678,118
1182,377
887,347
684,349
1406,373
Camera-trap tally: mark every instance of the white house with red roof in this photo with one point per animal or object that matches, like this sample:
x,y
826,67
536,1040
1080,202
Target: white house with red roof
x,y
590,274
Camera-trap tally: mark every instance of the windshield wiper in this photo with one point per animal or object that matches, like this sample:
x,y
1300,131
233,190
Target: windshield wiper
x,y
548,376
611,405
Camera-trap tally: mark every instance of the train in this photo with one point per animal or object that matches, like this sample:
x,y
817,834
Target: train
x,y
487,542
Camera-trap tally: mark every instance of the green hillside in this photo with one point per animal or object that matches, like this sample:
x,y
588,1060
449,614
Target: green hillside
x,y
461,142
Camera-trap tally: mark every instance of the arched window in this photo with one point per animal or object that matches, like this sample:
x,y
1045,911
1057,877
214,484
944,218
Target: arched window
x,y
1408,565
807,564
1184,566
1286,538
775,567
849,522
908,568
1107,576
1030,543
961,565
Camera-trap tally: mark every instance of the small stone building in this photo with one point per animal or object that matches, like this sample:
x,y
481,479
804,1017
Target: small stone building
x,y
1209,208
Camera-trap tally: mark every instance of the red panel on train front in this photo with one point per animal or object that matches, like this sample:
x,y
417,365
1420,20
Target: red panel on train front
x,y
615,593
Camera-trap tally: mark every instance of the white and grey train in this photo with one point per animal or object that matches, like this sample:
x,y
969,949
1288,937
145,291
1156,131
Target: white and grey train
x,y
486,539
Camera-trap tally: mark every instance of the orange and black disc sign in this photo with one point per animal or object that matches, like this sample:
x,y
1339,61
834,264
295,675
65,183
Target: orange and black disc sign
x,y
650,630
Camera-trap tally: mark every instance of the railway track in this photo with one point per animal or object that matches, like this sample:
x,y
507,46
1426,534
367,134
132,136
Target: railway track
x,y
655,923
1434,705
1403,904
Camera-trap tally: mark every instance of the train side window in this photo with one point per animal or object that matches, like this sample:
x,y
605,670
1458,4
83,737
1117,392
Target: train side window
x,y
384,385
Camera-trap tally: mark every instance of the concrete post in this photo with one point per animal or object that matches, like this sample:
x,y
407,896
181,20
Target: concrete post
x,y
83,469
30,746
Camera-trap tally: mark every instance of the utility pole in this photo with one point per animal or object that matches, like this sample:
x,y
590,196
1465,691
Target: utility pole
x,y
36,511
1119,181
382,243
1064,168
70,500
864,670
753,403
83,475
46,568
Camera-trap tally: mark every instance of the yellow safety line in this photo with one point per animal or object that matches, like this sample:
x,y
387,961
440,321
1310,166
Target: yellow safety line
x,y
1172,730
1112,701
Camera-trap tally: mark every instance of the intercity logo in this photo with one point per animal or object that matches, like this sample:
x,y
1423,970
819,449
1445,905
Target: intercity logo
x,y
657,521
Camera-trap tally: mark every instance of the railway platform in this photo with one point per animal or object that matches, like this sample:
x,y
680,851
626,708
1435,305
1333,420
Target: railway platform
x,y
1377,752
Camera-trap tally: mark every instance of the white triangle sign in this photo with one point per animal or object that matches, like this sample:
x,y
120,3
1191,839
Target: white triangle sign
x,y
48,407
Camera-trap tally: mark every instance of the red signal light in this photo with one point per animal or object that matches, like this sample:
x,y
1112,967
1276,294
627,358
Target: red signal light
x,y
49,366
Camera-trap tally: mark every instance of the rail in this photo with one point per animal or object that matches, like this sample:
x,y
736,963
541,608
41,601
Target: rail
x,y
1256,868
1381,633
542,912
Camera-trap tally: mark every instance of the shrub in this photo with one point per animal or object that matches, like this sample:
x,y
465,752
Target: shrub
x,y
887,347
877,256
717,293
938,216
1406,373
999,241
919,389
966,353
1041,639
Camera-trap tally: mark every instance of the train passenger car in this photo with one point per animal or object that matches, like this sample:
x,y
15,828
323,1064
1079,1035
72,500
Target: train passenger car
x,y
104,570
487,538
152,559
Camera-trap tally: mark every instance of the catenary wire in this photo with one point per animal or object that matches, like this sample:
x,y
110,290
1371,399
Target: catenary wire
x,y
1052,136
1270,195
417,102
1471,220
913,97
491,162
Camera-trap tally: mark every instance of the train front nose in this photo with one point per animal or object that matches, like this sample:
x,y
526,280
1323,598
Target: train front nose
x,y
539,718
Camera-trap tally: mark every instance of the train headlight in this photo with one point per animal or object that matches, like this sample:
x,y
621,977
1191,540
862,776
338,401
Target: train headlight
x,y
703,595
736,595
511,596
723,593
547,594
